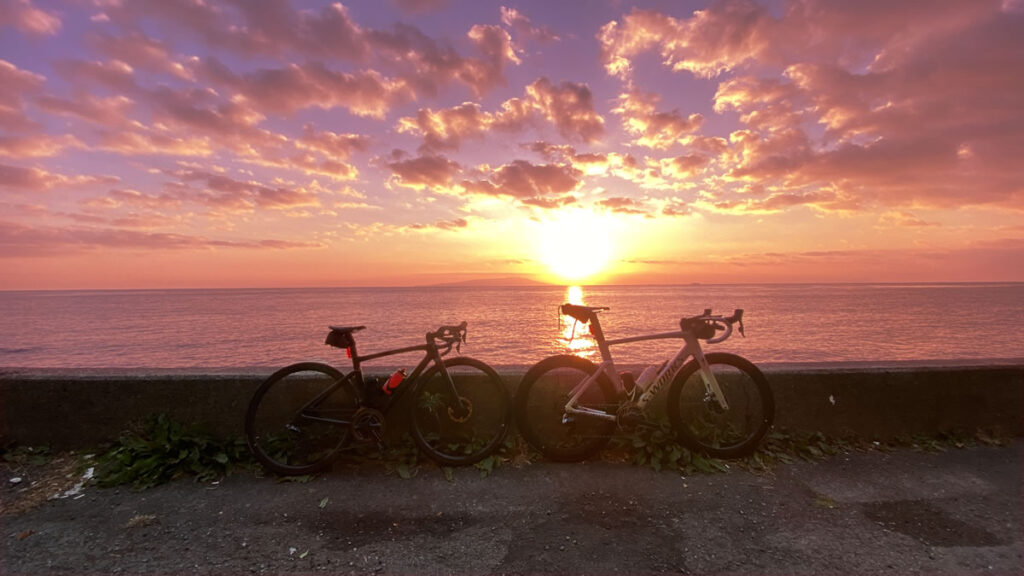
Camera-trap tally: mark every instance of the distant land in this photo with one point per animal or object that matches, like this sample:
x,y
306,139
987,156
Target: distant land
x,y
506,281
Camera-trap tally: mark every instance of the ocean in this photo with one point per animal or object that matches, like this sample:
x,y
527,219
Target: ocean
x,y
508,326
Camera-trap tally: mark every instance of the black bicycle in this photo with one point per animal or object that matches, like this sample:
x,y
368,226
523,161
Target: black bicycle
x,y
304,415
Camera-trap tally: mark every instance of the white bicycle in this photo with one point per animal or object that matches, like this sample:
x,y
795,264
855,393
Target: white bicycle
x,y
719,404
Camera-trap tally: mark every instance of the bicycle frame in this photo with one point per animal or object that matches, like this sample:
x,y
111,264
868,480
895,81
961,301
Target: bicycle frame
x,y
432,356
691,347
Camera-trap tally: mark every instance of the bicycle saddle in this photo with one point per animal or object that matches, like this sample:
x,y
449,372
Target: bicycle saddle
x,y
341,336
347,329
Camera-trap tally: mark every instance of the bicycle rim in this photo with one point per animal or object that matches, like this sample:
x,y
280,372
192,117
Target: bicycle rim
x,y
703,425
543,421
464,429
300,418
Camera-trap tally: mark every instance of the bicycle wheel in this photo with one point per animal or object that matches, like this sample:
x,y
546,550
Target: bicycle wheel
x,y
540,407
462,430
703,425
300,417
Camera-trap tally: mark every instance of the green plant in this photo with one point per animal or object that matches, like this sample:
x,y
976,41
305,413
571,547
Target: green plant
x,y
656,446
162,450
15,454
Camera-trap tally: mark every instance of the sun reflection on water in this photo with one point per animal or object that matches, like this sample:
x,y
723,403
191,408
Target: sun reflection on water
x,y
575,336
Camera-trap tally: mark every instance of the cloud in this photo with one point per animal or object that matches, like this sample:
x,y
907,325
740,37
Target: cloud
x,y
20,240
25,17
542,185
568,106
714,40
296,87
275,28
15,85
39,146
523,27
455,224
653,129
622,205
39,180
222,192
903,219
431,171
141,52
879,104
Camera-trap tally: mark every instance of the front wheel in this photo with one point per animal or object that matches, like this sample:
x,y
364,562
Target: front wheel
x,y
300,417
540,406
462,422
703,425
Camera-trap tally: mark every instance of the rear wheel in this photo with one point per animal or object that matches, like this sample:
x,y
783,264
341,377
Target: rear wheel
x,y
465,426
300,417
703,425
540,407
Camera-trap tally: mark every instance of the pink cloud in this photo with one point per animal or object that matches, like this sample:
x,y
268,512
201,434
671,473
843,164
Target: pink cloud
x,y
19,240
431,171
15,85
653,129
915,100
24,16
222,192
38,180
622,205
522,26
39,146
544,185
714,40
568,106
141,52
295,87
455,224
276,28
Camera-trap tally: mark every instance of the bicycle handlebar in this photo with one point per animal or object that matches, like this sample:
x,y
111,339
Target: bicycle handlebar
x,y
451,335
705,325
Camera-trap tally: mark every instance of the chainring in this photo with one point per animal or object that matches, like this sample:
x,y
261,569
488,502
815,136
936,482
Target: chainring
x,y
368,425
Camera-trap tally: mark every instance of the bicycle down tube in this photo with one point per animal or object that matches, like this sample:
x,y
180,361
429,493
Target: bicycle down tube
x,y
691,347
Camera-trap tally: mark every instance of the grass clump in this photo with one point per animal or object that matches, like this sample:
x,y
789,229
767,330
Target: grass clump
x,y
162,450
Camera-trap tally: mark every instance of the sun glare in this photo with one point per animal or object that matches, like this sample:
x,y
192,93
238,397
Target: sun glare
x,y
576,245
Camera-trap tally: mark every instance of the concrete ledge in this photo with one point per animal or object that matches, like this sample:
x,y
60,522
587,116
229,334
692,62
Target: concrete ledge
x,y
66,409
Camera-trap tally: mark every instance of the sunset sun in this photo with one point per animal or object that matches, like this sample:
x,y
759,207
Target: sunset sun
x,y
576,245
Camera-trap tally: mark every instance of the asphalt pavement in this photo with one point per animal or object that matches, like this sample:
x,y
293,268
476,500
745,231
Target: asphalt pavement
x,y
902,512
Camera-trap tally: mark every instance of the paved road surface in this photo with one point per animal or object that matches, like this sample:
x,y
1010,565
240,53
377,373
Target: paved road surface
x,y
904,512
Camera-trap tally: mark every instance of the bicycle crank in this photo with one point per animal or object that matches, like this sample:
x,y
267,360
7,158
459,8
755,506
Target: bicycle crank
x,y
368,425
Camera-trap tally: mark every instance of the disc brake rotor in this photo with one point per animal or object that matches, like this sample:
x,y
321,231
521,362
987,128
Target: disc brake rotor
x,y
466,412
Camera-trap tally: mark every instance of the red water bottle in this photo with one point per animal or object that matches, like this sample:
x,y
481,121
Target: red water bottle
x,y
393,382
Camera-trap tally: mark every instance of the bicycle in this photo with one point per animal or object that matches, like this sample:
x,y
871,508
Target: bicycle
x,y
719,404
304,415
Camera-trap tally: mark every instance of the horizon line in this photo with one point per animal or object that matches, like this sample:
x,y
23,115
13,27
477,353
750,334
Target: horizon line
x,y
533,284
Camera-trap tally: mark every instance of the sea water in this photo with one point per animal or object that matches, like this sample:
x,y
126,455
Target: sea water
x,y
259,328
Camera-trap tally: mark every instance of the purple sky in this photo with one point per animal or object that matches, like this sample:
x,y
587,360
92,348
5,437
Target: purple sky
x,y
208,143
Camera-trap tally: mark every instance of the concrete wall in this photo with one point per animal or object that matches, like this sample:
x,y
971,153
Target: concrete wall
x,y
84,408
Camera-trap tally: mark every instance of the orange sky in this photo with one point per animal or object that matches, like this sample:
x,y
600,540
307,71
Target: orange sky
x,y
171,144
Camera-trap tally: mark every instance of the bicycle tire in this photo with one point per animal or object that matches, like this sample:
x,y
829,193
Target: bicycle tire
x,y
703,426
462,432
540,409
286,444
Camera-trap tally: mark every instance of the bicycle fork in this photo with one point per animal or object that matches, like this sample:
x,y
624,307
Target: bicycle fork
x,y
711,388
